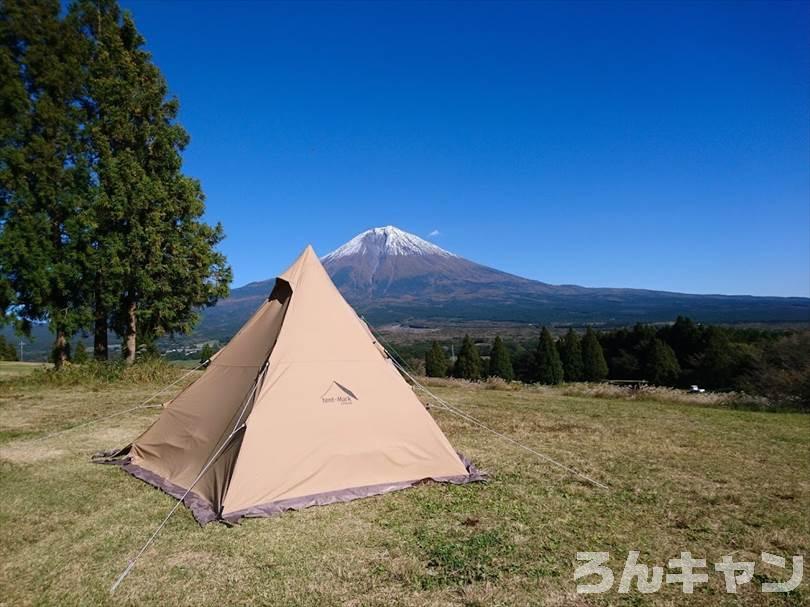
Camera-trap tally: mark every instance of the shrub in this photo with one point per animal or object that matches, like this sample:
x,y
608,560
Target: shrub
x,y
149,370
498,383
79,354
734,400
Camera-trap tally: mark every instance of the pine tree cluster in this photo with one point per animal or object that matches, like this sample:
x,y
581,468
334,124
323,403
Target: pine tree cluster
x,y
774,363
550,361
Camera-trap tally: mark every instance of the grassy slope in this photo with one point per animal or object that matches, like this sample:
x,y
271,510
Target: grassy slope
x,y
682,477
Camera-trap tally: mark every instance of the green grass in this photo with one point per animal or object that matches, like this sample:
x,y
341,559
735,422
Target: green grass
x,y
711,480
11,369
185,364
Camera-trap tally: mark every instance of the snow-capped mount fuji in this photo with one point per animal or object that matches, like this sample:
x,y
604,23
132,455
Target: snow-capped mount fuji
x,y
385,267
378,242
390,275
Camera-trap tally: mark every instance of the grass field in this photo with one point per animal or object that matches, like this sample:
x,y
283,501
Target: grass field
x,y
711,480
10,369
185,364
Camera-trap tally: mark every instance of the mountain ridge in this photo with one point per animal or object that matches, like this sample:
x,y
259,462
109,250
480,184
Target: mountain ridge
x,y
390,275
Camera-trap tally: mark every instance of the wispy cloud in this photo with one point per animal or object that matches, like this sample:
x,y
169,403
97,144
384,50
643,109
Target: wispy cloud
x,y
434,233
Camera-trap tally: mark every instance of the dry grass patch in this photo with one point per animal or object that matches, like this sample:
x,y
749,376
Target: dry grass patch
x,y
708,479
14,369
30,453
662,394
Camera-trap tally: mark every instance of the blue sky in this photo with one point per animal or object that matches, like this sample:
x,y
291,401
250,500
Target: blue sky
x,y
655,145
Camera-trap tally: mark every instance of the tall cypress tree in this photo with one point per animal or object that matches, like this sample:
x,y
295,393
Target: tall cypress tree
x,y
436,361
155,259
468,363
500,363
44,177
571,356
549,366
593,358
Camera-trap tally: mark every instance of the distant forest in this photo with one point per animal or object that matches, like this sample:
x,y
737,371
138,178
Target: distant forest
x,y
767,362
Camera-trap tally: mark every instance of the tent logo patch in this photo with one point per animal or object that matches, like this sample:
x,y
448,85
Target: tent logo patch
x,y
338,394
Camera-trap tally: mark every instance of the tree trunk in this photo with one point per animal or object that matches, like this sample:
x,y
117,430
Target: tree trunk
x,y
129,338
60,349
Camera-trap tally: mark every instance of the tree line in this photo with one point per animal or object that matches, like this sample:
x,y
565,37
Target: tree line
x,y
550,361
773,363
100,231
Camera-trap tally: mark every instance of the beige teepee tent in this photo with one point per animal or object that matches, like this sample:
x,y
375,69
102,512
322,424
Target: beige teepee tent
x,y
301,408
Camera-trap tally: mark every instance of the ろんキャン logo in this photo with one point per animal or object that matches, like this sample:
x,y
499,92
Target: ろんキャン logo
x,y
338,394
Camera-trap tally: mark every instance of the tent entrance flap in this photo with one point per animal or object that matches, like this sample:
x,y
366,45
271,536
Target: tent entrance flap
x,y
194,424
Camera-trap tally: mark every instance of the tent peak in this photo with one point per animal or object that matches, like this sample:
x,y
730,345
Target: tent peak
x,y
307,262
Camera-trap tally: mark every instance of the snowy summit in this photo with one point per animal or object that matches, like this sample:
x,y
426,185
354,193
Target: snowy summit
x,y
387,241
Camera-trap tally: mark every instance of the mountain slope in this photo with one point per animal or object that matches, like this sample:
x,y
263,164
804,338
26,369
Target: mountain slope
x,y
389,275
389,264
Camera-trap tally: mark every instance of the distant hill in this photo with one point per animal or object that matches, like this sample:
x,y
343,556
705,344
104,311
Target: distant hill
x,y
391,276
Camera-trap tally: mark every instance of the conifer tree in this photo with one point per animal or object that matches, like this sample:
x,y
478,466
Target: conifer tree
x,y
44,177
207,352
154,259
660,363
500,363
594,366
99,226
571,356
468,363
436,361
549,366
685,338
7,350
722,362
79,354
